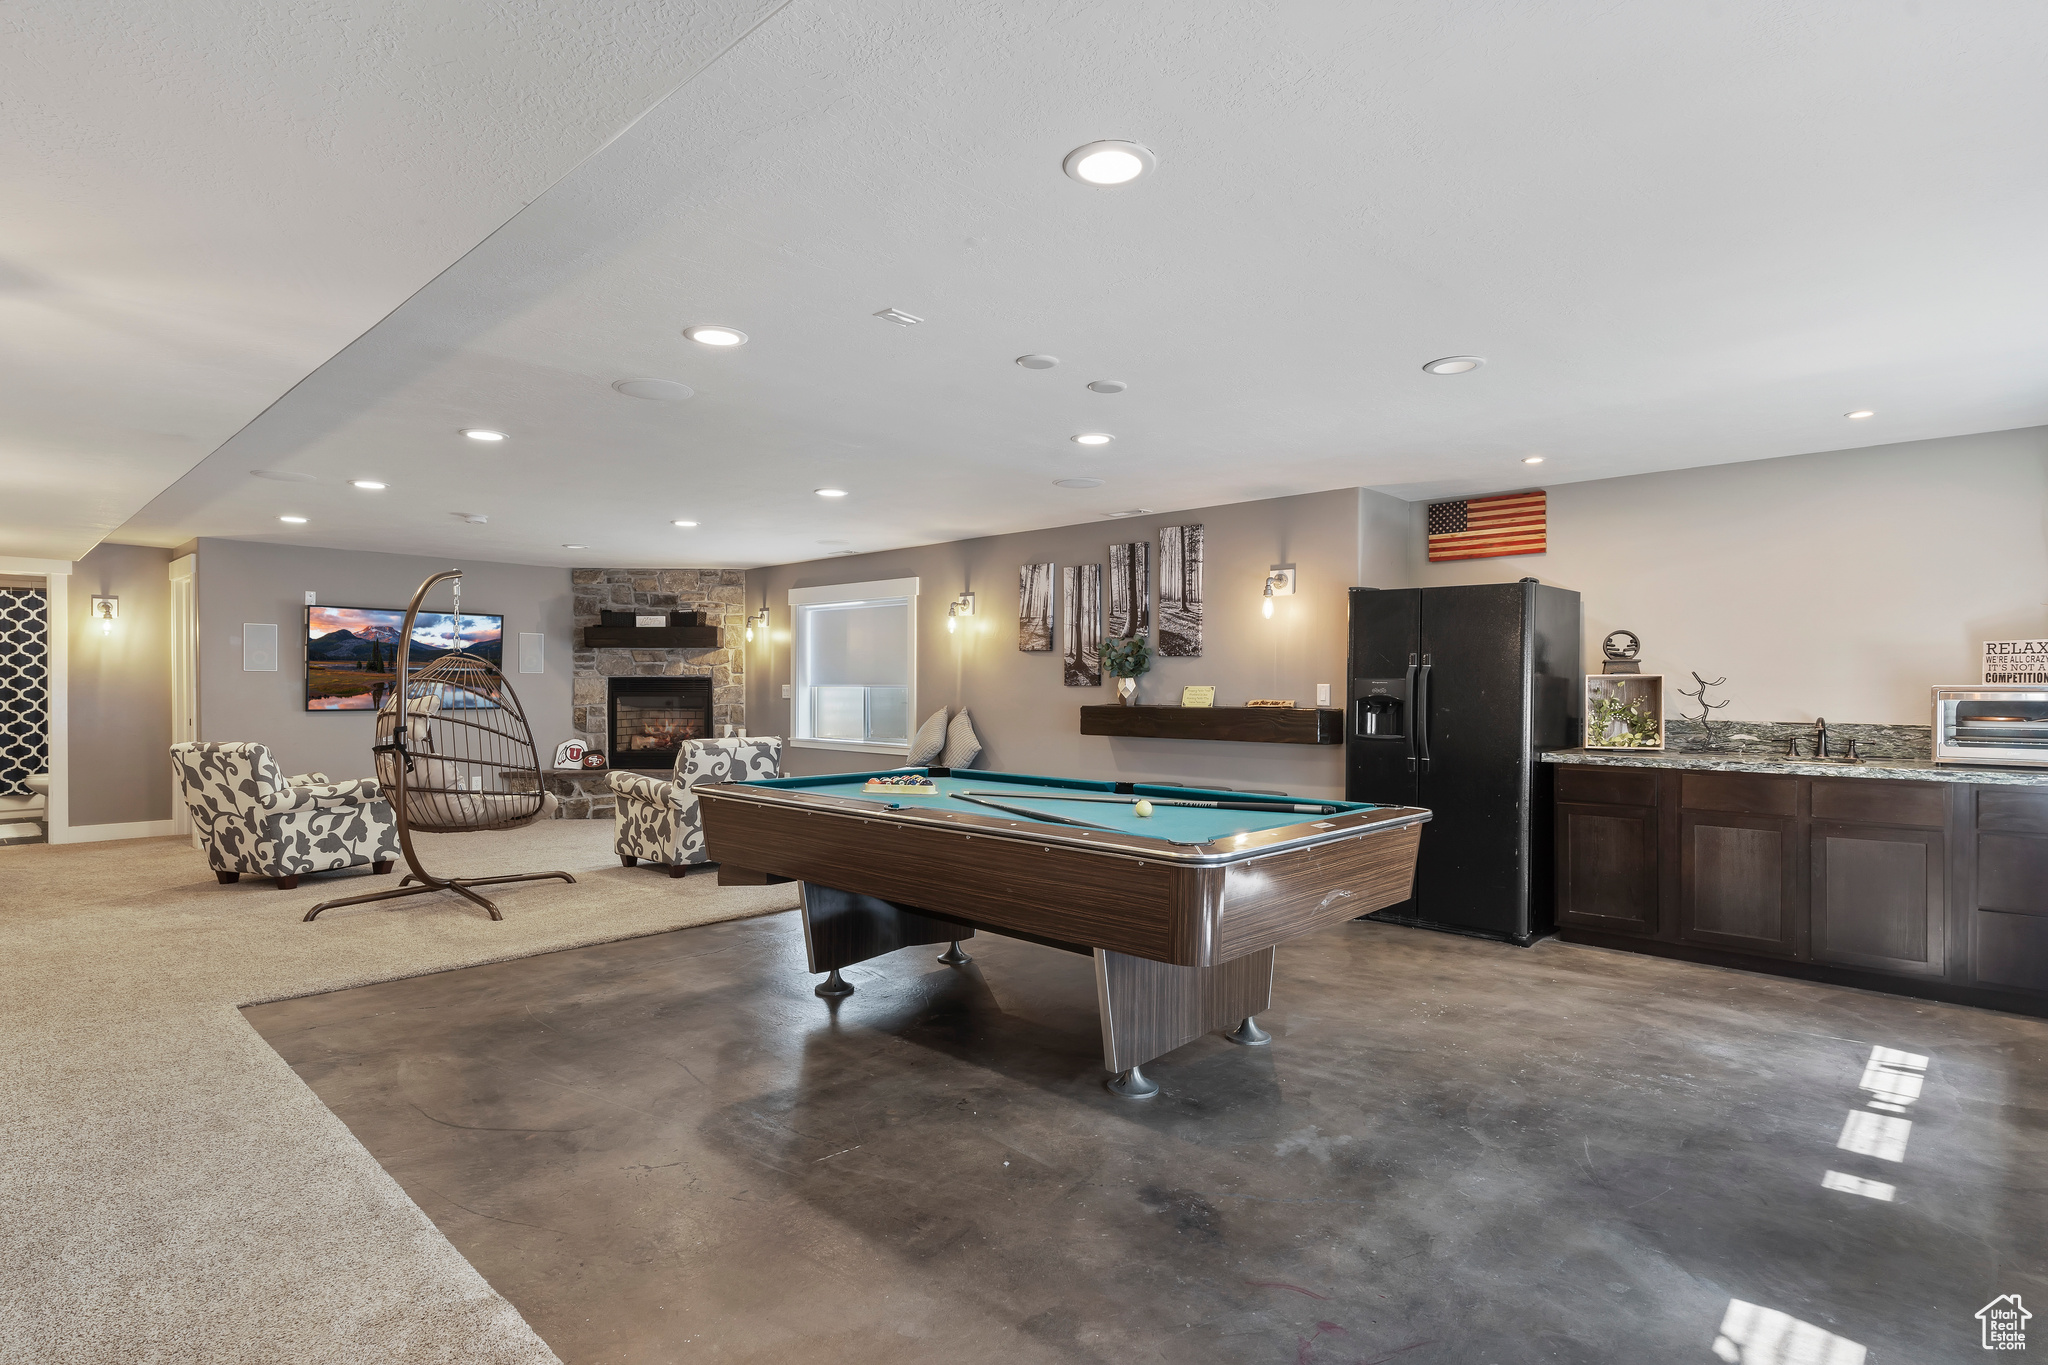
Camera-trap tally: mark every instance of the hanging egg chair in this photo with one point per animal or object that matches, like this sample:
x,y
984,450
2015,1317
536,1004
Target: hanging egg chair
x,y
454,755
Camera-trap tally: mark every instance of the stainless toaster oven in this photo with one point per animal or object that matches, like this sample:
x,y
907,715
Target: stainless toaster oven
x,y
1998,723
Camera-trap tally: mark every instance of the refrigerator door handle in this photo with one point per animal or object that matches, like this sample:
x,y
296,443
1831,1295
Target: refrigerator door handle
x,y
1409,693
1419,726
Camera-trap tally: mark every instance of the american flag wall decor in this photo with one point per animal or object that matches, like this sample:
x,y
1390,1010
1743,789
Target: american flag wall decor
x,y
1486,528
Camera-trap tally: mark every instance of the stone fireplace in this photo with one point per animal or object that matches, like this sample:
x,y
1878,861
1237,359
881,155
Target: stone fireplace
x,y
719,593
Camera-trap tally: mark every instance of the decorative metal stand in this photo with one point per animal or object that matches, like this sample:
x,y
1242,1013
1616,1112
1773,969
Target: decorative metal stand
x,y
455,756
1707,708
1623,648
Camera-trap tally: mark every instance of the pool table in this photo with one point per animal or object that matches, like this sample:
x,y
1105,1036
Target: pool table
x,y
1180,910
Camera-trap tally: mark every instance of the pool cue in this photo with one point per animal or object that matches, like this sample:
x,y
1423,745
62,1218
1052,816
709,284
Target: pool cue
x,y
1290,807
1033,814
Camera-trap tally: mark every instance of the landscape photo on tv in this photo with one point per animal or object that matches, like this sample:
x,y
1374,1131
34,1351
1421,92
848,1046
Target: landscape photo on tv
x,y
352,653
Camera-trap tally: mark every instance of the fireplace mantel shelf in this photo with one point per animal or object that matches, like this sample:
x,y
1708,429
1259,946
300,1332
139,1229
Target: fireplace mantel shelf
x,y
651,637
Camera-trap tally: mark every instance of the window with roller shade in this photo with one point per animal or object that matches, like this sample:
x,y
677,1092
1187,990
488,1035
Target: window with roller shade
x,y
853,662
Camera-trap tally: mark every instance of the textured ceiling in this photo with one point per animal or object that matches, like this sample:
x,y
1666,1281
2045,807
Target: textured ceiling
x,y
204,200
1681,235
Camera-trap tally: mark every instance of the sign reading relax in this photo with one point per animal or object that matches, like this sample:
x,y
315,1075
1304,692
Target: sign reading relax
x,y
2016,661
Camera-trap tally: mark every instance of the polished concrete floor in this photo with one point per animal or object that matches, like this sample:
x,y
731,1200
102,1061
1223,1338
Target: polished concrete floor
x,y
1453,1153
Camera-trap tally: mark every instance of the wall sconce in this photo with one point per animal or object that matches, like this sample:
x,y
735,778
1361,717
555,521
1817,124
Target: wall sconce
x,y
759,618
106,611
1279,583
963,605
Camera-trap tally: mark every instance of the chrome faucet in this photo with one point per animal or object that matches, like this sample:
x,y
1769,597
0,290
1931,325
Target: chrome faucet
x,y
1820,738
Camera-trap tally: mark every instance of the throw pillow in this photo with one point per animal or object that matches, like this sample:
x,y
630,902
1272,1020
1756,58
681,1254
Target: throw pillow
x,y
931,738
962,746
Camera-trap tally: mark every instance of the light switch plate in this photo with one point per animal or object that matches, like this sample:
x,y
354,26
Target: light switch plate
x,y
785,692
1322,694
312,599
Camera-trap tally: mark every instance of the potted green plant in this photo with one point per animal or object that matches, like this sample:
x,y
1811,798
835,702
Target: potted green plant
x,y
1124,660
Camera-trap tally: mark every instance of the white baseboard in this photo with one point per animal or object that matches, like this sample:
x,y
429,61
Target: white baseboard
x,y
96,834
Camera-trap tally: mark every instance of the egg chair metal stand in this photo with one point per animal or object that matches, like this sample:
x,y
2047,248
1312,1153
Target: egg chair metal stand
x,y
455,756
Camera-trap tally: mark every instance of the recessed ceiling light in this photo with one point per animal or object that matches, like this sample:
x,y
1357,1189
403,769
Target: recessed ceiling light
x,y
1133,512
367,485
1532,459
481,434
283,476
1077,483
1108,386
716,336
655,390
575,547
1092,438
1108,163
473,518
684,524
1454,364
1860,414
830,492
296,521
899,317
1038,362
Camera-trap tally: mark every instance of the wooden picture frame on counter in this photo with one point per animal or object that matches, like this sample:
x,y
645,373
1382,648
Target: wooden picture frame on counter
x,y
1625,711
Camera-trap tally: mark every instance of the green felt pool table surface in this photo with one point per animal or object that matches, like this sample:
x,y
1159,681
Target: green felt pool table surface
x,y
1026,792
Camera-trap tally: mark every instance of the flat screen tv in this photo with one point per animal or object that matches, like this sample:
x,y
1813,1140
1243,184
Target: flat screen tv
x,y
352,653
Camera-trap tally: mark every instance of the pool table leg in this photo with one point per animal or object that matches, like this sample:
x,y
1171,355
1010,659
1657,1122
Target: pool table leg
x,y
953,957
1150,1008
1248,1034
843,927
1133,1084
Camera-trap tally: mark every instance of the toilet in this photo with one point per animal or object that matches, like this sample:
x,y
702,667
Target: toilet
x,y
39,783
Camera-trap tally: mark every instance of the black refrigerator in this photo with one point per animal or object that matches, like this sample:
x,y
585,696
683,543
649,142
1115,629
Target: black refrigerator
x,y
1453,693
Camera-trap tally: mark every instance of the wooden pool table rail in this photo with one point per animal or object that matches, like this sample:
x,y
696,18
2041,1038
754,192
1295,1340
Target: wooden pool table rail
x,y
1197,915
1311,829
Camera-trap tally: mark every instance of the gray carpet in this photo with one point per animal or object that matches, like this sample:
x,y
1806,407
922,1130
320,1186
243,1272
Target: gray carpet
x,y
173,1192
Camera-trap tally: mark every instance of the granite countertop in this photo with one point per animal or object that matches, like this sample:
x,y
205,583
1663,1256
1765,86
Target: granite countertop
x,y
1897,769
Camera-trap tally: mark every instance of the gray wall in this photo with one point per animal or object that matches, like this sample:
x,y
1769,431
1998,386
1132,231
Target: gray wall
x,y
1028,720
119,688
1843,584
1385,541
242,581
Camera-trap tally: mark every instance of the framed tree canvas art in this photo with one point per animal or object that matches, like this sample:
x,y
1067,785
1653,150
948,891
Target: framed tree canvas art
x,y
1034,608
1180,592
1130,591
1081,593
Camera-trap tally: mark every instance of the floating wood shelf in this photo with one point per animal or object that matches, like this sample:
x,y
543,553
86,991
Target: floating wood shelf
x,y
1246,724
650,637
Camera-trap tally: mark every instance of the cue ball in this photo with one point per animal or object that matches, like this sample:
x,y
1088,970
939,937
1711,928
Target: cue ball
x,y
1143,810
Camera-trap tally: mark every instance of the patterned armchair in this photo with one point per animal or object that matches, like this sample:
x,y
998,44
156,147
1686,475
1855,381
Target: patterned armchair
x,y
254,819
656,819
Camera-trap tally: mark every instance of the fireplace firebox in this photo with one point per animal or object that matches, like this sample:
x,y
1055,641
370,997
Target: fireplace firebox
x,y
647,719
